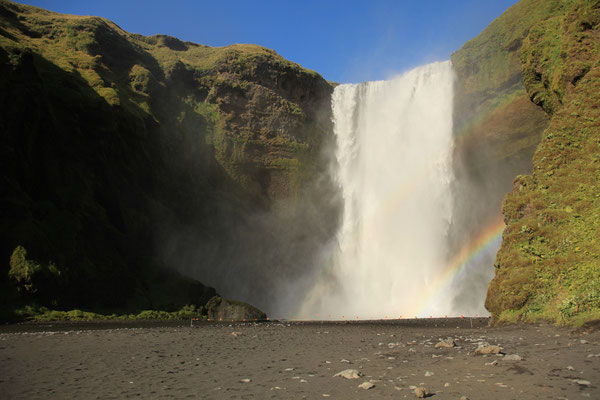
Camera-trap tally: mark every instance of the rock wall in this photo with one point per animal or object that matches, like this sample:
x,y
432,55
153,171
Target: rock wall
x,y
548,265
126,158
497,129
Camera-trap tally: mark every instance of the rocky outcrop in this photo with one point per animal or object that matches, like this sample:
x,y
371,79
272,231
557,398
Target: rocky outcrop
x,y
547,266
126,158
497,129
219,309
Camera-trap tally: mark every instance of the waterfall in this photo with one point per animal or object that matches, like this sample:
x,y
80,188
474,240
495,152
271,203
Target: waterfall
x,y
394,150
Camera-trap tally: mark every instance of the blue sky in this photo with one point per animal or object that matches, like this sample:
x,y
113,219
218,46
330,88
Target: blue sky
x,y
345,41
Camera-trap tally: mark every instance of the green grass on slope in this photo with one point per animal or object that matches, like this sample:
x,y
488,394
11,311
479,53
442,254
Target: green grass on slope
x,y
43,314
115,144
548,266
490,88
491,60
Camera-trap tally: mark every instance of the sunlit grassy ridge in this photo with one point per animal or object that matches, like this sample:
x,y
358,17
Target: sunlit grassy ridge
x,y
116,144
549,264
491,82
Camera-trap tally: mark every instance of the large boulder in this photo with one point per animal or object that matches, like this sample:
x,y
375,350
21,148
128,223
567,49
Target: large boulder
x,y
220,308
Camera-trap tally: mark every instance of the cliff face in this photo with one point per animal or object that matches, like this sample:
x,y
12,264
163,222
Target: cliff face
x,y
548,265
126,157
497,129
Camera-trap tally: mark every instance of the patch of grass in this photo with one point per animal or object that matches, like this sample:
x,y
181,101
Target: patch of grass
x,y
550,246
43,314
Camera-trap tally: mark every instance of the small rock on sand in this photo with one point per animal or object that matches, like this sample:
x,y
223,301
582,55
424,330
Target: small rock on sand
x,y
349,374
422,392
488,350
366,385
428,373
493,363
246,380
464,398
446,343
512,357
343,360
582,382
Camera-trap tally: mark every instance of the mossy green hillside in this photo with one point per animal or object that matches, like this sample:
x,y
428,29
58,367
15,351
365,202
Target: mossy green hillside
x,y
491,110
497,129
126,157
548,266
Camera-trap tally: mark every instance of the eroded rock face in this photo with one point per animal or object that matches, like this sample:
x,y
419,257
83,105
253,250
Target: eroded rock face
x,y
219,308
130,157
547,265
497,129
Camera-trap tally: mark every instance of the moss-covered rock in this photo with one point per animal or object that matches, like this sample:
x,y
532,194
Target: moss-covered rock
x,y
126,157
219,308
548,266
497,129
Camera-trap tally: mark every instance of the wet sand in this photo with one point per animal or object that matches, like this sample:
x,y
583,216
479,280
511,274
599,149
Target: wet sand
x,y
296,360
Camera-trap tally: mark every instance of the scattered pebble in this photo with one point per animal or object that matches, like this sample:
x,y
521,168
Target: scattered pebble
x,y
487,349
366,385
582,382
449,343
464,398
583,341
429,373
493,363
349,374
570,368
512,357
422,392
343,360
245,380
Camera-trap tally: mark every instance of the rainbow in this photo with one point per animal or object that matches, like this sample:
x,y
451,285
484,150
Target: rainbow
x,y
488,237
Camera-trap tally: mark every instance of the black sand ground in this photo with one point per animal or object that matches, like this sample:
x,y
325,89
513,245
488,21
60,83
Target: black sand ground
x,y
295,360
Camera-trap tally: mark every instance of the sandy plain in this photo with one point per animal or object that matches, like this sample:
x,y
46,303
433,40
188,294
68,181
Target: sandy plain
x,y
296,360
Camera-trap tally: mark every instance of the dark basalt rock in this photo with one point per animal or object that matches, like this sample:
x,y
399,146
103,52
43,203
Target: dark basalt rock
x,y
219,308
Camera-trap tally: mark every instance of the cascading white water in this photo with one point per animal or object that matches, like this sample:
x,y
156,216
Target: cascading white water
x,y
394,147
